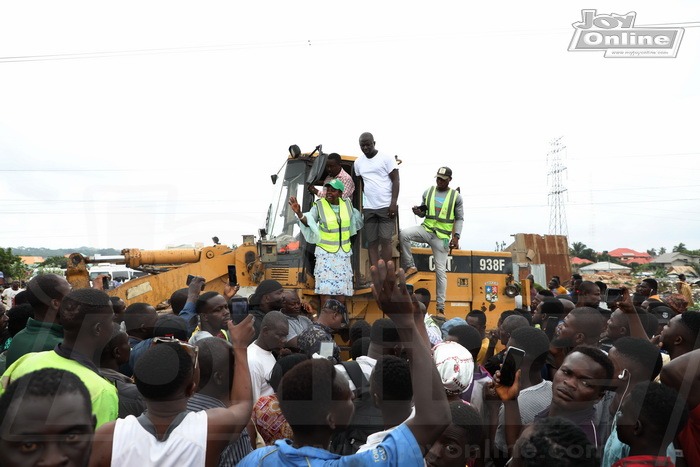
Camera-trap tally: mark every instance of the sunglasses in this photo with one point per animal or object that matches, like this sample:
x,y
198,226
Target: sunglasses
x,y
192,350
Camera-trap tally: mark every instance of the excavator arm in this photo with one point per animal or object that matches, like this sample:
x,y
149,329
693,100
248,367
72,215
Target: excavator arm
x,y
168,270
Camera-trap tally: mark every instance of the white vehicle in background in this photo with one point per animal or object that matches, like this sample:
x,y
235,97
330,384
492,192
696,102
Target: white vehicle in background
x,y
118,272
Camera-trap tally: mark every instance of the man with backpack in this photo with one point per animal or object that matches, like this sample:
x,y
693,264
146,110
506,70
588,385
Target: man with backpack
x,y
367,419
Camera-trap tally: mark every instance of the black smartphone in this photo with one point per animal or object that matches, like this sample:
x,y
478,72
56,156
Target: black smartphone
x,y
232,279
423,207
613,295
105,283
189,280
511,364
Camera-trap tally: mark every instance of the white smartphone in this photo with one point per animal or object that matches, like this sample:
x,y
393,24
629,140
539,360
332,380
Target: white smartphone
x,y
326,349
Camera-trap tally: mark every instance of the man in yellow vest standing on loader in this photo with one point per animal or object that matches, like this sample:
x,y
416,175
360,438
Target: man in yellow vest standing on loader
x,y
444,215
329,224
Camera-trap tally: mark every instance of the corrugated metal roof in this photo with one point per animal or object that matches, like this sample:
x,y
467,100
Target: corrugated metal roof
x,y
550,250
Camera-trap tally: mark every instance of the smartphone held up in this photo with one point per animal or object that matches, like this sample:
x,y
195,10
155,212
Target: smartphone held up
x,y
190,278
511,364
232,278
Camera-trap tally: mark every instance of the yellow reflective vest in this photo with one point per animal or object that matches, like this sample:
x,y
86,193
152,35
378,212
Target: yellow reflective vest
x,y
440,224
334,229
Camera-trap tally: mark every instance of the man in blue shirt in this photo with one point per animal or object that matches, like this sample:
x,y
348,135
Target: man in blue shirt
x,y
316,400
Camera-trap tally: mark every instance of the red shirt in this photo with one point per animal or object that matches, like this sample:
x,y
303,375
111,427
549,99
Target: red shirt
x,y
689,438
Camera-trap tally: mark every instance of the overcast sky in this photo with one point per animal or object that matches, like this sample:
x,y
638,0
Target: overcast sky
x,y
143,124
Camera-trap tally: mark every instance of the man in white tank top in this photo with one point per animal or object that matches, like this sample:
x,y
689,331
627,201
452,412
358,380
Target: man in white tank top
x,y
167,434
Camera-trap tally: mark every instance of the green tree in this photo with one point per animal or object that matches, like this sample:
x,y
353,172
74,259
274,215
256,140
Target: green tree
x,y
652,252
662,250
11,265
660,273
576,248
55,262
604,256
680,248
580,250
48,270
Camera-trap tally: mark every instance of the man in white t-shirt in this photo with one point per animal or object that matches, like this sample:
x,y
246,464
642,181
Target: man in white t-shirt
x,y
273,335
8,295
380,183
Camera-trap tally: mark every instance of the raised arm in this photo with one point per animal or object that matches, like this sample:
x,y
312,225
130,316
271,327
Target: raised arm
x,y
296,208
511,410
188,311
432,411
635,323
226,424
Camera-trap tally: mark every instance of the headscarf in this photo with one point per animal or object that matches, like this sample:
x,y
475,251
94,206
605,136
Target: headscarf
x,y
455,366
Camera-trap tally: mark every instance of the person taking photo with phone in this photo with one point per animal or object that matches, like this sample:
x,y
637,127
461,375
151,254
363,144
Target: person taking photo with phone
x,y
311,341
578,385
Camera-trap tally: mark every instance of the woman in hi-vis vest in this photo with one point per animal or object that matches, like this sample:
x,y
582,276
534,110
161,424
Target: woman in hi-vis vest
x,y
329,224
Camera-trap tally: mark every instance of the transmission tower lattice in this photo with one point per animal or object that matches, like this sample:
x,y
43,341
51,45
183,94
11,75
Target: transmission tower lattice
x,y
557,190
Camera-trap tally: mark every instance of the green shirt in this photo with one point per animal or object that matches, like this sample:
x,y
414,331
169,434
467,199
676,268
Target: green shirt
x,y
38,336
103,394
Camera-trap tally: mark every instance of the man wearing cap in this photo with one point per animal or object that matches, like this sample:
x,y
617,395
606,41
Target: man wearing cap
x,y
333,316
268,296
329,224
663,315
444,215
380,185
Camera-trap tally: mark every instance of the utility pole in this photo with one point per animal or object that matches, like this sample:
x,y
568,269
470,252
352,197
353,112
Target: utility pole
x,y
557,190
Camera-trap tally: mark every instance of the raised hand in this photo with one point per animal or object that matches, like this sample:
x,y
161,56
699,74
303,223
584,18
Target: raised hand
x,y
389,289
507,393
625,304
195,287
230,291
241,334
294,205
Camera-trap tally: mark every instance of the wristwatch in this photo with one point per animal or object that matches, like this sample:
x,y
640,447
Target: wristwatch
x,y
456,236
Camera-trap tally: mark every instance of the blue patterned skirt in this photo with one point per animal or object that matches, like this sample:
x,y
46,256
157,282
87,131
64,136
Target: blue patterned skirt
x,y
333,273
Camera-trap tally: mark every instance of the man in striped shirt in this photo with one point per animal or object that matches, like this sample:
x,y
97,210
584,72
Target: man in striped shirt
x,y
335,170
215,362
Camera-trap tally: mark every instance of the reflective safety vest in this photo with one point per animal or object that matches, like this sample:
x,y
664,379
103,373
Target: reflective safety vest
x,y
333,228
440,224
223,331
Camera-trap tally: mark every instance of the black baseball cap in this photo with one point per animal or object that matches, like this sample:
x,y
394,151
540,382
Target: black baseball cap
x,y
444,173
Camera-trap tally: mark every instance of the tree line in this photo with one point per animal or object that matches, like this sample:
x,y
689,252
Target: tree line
x,y
11,264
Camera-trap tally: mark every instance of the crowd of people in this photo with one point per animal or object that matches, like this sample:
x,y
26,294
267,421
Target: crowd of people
x,y
222,380
89,381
